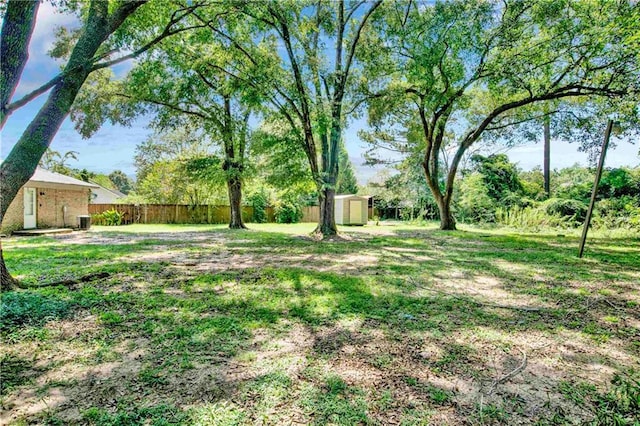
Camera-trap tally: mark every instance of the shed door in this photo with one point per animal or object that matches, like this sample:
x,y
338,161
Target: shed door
x,y
355,211
29,208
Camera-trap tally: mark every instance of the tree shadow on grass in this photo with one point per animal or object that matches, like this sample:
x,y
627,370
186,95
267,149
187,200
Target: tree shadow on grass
x,y
182,349
53,262
15,371
169,345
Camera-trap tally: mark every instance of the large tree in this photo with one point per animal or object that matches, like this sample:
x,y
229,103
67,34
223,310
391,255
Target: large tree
x,y
461,66
346,182
179,166
279,161
121,181
105,32
314,77
190,83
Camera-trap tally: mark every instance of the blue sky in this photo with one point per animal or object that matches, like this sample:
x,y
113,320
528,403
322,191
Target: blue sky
x,y
112,147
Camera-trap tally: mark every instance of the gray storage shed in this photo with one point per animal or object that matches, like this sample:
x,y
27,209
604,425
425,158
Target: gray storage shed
x,y
351,209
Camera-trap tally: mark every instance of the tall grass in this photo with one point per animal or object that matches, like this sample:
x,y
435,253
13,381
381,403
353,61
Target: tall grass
x,y
531,218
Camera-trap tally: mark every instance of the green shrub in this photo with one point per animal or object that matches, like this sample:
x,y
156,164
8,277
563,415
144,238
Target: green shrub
x,y
259,201
533,184
96,219
572,183
21,308
287,212
499,175
614,213
575,210
110,217
618,183
474,203
514,199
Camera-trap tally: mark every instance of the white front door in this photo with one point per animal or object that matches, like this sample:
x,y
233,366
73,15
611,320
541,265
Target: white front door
x,y
29,208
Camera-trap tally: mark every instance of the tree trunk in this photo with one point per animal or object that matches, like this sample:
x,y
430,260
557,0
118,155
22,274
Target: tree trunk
x,y
17,29
23,159
7,282
234,184
327,219
447,221
547,158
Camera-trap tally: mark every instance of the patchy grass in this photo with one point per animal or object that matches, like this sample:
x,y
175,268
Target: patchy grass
x,y
387,325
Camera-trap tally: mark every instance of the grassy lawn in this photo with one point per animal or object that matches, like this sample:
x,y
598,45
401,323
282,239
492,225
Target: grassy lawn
x,y
389,325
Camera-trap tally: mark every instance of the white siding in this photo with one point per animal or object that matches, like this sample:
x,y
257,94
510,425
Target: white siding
x,y
339,211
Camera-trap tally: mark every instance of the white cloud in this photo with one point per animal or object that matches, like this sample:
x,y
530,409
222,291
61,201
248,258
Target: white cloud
x,y
48,20
40,67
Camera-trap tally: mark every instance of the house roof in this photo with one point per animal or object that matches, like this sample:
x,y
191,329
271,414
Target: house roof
x,y
102,195
45,176
112,191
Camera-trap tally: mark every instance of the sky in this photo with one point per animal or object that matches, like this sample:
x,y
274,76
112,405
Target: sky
x,y
113,147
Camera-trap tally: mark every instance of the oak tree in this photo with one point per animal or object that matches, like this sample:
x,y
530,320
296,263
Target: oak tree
x,y
461,66
313,88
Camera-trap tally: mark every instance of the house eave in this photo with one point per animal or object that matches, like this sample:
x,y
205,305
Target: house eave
x,y
61,186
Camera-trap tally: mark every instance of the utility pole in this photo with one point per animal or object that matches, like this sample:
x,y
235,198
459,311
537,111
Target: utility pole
x,y
603,152
546,166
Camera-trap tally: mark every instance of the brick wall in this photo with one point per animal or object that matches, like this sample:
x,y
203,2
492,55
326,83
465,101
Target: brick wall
x,y
49,212
50,207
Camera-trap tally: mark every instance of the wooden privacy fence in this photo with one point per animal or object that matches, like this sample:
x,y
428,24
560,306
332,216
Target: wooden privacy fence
x,y
184,213
310,214
171,213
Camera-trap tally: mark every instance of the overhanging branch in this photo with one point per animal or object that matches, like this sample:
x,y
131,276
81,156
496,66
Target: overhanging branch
x,y
116,17
164,104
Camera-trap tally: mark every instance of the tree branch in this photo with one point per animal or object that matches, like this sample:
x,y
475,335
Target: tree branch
x,y
359,102
354,42
121,13
17,27
353,10
206,81
572,90
32,95
515,123
115,21
166,33
233,41
164,104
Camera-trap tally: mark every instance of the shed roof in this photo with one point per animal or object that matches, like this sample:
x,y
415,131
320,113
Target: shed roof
x,y
343,196
46,176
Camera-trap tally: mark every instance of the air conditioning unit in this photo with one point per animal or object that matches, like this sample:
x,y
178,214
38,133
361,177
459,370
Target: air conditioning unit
x,y
84,222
